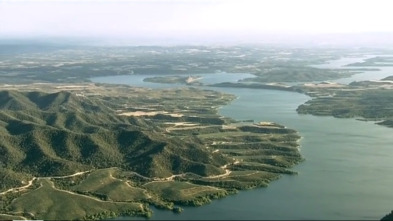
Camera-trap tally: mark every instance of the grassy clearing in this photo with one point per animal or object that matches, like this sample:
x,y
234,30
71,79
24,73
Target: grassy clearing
x,y
252,176
185,193
49,203
225,134
11,217
103,183
240,180
96,180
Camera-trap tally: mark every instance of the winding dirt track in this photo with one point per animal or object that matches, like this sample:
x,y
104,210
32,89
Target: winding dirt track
x,y
21,217
18,189
155,179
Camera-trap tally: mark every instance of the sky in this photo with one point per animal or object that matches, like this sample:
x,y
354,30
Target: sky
x,y
208,18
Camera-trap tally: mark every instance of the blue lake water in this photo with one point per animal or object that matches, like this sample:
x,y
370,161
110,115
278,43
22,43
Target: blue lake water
x,y
347,173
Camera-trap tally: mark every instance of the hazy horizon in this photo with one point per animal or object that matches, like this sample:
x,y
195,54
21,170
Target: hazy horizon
x,y
193,21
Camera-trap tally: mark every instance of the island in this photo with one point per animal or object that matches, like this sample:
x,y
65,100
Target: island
x,y
95,151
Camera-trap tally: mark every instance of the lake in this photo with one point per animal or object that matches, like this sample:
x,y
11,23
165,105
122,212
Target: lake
x,y
347,173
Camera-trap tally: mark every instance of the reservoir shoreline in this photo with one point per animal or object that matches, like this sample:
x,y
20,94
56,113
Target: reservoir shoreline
x,y
340,178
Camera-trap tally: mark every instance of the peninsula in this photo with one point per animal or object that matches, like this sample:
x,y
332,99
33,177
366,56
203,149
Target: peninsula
x,y
105,151
366,100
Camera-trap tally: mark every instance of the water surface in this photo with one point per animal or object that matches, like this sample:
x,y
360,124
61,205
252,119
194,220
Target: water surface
x,y
347,173
363,75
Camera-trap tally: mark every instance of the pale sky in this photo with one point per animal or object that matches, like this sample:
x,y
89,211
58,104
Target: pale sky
x,y
187,17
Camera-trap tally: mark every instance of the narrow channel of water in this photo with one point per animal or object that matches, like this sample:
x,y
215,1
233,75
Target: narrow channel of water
x,y
347,173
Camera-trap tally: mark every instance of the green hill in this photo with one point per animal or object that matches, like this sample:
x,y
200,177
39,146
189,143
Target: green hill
x,y
129,148
48,134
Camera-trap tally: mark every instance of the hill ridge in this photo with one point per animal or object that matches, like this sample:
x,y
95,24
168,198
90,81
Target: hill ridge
x,y
49,140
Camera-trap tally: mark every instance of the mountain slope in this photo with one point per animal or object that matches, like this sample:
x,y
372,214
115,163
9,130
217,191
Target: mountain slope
x,y
51,134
